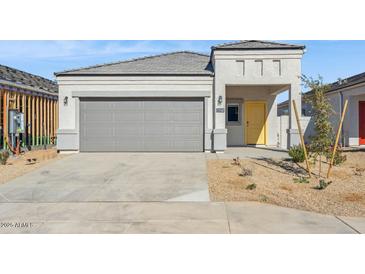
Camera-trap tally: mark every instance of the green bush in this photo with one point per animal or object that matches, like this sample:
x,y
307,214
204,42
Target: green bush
x,y
322,184
251,186
297,154
338,159
301,180
4,156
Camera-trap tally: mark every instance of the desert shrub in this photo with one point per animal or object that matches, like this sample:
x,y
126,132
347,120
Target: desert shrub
x,y
301,180
245,172
322,184
297,154
263,198
236,161
359,171
251,186
338,159
4,156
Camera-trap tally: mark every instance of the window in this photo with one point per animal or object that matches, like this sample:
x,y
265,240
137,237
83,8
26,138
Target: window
x,y
233,113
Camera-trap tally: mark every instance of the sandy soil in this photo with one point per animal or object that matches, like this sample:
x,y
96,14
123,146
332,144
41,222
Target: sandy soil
x,y
274,180
17,166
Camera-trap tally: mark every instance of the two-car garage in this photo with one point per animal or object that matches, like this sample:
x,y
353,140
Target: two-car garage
x,y
141,124
160,103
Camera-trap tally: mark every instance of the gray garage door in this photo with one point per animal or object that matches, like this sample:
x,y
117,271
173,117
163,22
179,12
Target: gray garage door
x,y
141,124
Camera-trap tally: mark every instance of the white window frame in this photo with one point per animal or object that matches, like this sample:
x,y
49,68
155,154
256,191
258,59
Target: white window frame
x,y
238,122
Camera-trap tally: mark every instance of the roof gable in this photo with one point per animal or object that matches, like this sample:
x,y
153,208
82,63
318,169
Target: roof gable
x,y
175,63
254,45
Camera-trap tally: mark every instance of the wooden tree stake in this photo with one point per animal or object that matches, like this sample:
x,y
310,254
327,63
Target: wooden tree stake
x,y
337,138
302,139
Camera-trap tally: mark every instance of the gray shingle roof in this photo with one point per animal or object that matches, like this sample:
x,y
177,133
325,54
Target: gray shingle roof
x,y
350,81
255,44
24,79
175,63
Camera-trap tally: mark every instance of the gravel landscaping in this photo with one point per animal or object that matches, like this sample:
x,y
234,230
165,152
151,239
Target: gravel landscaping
x,y
19,165
281,182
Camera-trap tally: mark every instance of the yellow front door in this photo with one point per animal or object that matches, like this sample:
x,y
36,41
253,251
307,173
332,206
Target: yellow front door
x,y
255,117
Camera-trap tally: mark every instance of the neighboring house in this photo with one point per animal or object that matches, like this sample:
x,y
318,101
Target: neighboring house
x,y
36,97
181,101
353,89
283,108
353,130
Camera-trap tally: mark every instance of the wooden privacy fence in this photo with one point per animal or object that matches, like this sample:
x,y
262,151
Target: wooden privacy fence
x,y
40,116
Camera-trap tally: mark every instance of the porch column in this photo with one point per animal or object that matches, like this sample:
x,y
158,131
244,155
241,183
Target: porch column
x,y
219,116
296,95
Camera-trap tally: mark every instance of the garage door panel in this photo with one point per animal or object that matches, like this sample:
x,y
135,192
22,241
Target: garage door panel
x,y
152,105
188,130
158,129
187,143
103,130
186,106
98,106
141,124
99,146
194,117
128,130
132,145
128,105
157,116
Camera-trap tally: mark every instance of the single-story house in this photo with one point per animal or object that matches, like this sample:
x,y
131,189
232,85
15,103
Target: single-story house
x,y
283,108
34,96
353,90
181,101
353,129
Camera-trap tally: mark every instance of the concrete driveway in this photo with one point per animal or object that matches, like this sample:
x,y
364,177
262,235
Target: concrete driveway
x,y
113,177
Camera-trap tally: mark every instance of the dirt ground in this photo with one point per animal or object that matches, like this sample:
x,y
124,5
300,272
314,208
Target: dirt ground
x,y
19,165
275,183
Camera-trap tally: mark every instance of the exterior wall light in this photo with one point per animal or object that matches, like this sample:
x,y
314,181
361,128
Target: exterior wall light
x,y
65,101
220,100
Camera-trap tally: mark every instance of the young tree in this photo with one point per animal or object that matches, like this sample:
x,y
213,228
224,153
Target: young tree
x,y
320,143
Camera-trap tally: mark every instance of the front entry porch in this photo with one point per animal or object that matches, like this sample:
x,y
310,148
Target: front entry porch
x,y
251,115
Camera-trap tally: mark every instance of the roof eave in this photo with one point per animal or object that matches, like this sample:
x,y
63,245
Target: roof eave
x,y
29,88
259,48
346,86
132,74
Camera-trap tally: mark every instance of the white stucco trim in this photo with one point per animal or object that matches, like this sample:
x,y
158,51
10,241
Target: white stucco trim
x,y
141,93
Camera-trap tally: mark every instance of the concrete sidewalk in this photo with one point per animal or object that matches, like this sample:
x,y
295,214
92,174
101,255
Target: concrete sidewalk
x,y
168,217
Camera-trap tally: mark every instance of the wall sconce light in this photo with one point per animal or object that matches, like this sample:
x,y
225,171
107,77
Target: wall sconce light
x,y
220,100
65,101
